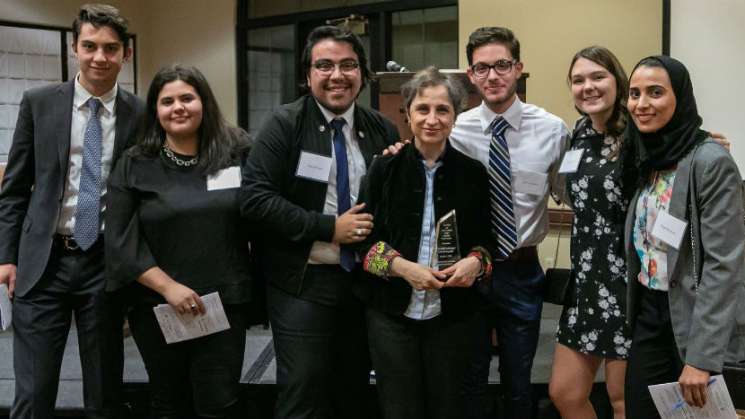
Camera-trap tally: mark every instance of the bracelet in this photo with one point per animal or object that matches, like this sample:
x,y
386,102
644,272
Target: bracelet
x,y
485,258
379,259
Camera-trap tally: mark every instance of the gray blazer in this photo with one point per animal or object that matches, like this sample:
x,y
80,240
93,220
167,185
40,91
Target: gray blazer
x,y
708,320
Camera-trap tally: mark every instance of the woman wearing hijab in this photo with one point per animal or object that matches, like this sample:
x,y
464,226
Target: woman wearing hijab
x,y
685,243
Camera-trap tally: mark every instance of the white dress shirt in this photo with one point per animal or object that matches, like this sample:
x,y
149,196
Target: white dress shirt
x,y
80,116
325,252
426,304
536,140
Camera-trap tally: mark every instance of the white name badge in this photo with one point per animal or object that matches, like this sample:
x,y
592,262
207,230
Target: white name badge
x,y
314,167
669,229
531,183
571,160
225,179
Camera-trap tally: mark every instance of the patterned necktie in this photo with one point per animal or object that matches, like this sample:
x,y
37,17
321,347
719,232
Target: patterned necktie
x,y
89,194
500,191
343,198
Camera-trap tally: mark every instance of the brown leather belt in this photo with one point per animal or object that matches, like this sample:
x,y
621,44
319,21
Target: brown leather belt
x,y
66,242
522,254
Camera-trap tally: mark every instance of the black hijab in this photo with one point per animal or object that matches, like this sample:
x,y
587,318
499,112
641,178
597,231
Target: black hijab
x,y
664,148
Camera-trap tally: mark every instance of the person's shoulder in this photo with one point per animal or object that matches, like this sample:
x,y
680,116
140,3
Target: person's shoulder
x,y
130,97
467,122
711,152
137,155
536,112
291,110
471,115
47,91
466,162
285,117
376,116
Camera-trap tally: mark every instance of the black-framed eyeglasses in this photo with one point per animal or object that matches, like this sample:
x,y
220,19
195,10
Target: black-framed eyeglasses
x,y
502,67
327,66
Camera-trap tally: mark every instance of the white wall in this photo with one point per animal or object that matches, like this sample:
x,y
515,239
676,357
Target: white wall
x,y
709,38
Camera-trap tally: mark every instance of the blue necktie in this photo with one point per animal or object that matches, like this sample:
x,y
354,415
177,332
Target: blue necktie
x,y
343,198
89,195
500,191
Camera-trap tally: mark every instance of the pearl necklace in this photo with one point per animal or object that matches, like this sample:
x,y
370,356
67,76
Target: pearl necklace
x,y
179,162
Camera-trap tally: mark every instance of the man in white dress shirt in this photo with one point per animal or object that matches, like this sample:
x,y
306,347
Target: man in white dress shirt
x,y
52,206
521,178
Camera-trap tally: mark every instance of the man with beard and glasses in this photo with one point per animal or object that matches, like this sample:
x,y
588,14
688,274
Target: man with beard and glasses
x,y
521,146
300,184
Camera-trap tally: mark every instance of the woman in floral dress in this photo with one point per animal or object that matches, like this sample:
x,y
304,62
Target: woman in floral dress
x,y
592,329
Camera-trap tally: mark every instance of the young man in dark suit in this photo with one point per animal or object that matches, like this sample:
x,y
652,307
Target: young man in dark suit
x,y
52,207
300,183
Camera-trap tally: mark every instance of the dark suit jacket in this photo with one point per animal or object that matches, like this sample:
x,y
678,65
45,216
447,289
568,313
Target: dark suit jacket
x,y
288,208
394,191
34,182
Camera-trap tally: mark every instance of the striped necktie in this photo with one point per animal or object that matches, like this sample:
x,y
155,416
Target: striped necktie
x,y
500,191
87,213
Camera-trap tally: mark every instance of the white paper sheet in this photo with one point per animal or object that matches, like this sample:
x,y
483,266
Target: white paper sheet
x,y
668,399
6,313
180,327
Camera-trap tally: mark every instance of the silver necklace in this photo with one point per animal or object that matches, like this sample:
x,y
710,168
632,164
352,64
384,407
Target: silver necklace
x,y
179,161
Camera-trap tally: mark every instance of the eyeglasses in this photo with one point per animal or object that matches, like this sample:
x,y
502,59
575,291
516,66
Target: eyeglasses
x,y
327,67
502,67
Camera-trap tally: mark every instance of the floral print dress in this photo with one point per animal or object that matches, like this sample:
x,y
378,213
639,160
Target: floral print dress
x,y
594,322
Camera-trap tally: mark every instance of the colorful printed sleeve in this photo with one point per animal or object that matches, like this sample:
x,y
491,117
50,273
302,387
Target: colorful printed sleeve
x,y
482,255
378,259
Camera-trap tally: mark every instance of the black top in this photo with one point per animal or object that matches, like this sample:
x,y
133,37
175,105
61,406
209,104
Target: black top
x,y
161,214
394,190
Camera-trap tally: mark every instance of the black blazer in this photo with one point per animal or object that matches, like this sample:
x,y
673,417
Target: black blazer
x,y
288,208
394,191
34,182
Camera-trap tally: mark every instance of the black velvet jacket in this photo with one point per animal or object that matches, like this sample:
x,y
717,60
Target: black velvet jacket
x,y
394,190
288,209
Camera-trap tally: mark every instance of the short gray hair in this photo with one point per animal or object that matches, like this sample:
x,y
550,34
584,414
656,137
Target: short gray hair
x,y
432,77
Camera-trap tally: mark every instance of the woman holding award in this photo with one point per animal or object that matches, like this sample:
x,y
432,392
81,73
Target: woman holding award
x,y
423,257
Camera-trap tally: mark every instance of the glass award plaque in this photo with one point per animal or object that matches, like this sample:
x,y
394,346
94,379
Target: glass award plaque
x,y
446,250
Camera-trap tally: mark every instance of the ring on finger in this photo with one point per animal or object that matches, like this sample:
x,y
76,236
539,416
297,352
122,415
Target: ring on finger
x,y
358,232
193,306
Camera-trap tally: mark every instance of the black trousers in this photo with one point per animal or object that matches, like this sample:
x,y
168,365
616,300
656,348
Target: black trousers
x,y
72,284
420,365
322,357
653,358
195,378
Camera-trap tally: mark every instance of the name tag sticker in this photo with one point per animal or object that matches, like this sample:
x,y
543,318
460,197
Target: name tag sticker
x,y
225,179
669,229
314,167
531,183
571,160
